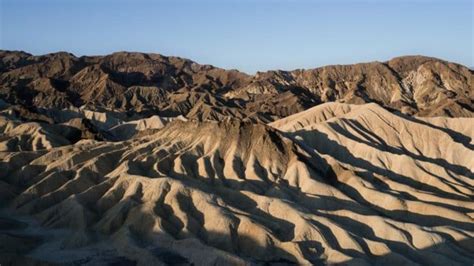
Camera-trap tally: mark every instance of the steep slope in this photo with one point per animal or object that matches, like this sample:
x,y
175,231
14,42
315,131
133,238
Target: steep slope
x,y
337,183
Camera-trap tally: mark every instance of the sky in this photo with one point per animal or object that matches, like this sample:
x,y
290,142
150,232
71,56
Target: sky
x,y
241,34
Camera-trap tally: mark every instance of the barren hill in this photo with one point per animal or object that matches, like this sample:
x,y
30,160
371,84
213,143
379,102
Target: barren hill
x,y
142,159
336,183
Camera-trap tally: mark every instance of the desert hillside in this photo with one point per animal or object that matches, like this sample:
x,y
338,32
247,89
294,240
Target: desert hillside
x,y
142,159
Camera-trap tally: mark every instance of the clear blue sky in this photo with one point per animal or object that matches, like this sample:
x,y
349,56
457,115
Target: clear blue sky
x,y
243,34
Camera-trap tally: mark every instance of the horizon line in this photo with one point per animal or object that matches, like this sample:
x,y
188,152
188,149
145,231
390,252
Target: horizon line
x,y
236,69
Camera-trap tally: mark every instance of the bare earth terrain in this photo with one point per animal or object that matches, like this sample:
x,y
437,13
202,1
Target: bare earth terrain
x,y
142,159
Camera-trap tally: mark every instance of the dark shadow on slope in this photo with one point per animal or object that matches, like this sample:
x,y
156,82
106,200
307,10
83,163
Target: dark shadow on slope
x,y
456,136
370,178
345,156
282,229
316,205
400,215
381,145
440,255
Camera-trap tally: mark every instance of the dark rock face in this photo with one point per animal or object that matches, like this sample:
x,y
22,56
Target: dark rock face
x,y
413,84
152,83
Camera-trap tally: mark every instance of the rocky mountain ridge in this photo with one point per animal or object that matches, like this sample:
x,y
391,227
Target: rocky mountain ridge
x,y
148,84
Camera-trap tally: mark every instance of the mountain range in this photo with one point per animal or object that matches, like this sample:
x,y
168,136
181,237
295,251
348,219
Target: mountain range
x,y
171,86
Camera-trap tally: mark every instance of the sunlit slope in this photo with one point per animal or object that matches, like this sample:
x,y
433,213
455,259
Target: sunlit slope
x,y
335,183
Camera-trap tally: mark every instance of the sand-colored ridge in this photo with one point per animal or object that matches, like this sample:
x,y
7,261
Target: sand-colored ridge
x,y
338,183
